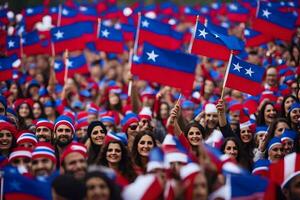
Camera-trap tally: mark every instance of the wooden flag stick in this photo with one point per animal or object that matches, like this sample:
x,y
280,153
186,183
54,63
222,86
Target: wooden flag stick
x,y
226,74
66,62
178,100
130,64
193,36
98,27
59,15
136,41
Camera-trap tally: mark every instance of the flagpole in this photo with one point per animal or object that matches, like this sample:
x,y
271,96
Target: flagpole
x,y
59,15
205,22
194,35
226,74
98,27
21,47
136,41
257,9
130,64
66,60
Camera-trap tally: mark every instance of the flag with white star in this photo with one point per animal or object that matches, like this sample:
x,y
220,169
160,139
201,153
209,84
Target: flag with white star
x,y
166,67
255,38
213,44
110,40
272,22
243,76
236,12
12,45
160,34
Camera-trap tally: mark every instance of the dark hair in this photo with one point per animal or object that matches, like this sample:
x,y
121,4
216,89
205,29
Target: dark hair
x,y
271,130
158,113
261,114
196,125
283,113
290,123
42,115
136,157
94,149
69,187
22,123
236,142
114,191
125,165
117,107
20,91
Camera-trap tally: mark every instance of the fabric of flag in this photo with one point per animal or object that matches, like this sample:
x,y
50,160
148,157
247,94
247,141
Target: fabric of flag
x,y
31,43
254,38
65,37
128,31
12,45
214,45
166,67
68,15
237,13
154,32
242,187
17,186
250,75
110,40
7,65
275,23
32,15
76,65
3,16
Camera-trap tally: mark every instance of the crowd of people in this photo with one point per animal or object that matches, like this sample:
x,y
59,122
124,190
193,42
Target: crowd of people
x,y
89,139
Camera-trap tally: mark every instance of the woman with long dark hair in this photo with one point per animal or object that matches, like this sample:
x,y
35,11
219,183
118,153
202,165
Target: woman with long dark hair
x,y
24,112
266,114
232,148
142,145
195,134
96,132
115,156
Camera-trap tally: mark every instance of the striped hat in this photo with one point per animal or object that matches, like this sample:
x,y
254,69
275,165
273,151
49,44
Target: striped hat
x,y
74,147
64,120
44,150
19,152
26,136
44,122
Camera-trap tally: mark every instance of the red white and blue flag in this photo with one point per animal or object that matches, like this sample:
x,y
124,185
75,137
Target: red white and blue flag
x,y
275,23
214,45
110,40
254,38
159,34
244,76
7,65
166,67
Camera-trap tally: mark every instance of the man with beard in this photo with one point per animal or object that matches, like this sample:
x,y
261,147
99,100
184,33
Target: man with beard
x,y
44,130
213,135
63,134
43,160
74,160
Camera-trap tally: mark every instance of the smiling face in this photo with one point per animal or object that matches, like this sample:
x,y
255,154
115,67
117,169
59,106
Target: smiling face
x,y
280,127
287,104
98,135
114,153
145,145
246,135
295,115
211,120
269,114
24,110
275,153
194,136
5,139
64,134
37,110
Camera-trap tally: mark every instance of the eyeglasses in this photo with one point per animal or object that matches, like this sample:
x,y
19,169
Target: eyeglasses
x,y
133,127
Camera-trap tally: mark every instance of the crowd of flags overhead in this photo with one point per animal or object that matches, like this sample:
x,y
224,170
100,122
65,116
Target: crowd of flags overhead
x,y
76,27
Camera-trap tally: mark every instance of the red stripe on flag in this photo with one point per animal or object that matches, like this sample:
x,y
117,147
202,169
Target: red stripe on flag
x,y
6,75
210,50
164,76
243,85
109,46
273,29
20,196
71,45
162,41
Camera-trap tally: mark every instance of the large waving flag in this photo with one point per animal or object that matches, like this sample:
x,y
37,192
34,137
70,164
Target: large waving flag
x,y
237,13
76,65
110,40
17,186
167,67
32,15
214,45
275,23
244,76
254,38
65,37
7,65
159,34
